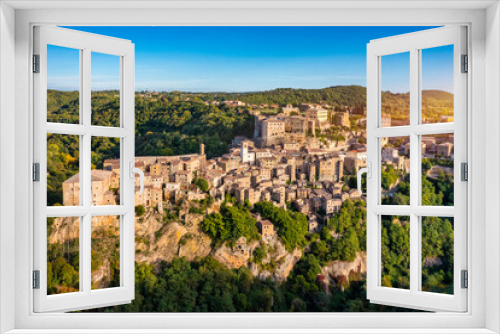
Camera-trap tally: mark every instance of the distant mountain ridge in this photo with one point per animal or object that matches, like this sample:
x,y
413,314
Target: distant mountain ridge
x,y
438,94
336,96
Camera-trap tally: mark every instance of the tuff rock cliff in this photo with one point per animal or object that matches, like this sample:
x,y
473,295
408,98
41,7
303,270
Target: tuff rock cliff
x,y
157,241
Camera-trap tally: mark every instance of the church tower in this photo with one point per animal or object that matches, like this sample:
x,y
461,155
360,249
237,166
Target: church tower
x,y
202,149
243,151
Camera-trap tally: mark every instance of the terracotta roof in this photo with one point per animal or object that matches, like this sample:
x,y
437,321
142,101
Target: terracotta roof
x,y
96,175
266,222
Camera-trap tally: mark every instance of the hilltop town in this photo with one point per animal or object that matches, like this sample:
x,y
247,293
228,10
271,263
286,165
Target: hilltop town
x,y
285,162
270,203
288,162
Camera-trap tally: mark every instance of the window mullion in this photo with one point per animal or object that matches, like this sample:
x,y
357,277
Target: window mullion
x,y
85,149
414,176
396,131
434,128
85,168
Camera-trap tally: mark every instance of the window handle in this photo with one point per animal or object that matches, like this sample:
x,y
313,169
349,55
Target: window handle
x,y
368,171
139,171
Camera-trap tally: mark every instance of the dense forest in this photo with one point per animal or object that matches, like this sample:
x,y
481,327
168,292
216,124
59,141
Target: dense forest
x,y
437,232
208,286
337,96
435,105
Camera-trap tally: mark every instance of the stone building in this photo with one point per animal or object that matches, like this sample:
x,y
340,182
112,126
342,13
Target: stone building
x,y
273,131
288,109
318,113
184,178
246,155
445,149
101,193
266,228
352,164
385,121
342,119
329,168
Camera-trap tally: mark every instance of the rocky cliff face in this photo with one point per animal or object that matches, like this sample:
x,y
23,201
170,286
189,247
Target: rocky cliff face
x,y
276,266
64,229
341,272
159,241
170,240
237,256
283,261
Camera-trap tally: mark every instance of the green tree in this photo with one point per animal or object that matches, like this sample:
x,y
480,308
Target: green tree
x,y
139,210
292,226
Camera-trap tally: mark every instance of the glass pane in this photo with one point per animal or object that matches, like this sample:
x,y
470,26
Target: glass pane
x,y
63,85
395,252
437,254
105,171
437,170
63,166
395,85
437,84
105,252
105,85
395,169
63,255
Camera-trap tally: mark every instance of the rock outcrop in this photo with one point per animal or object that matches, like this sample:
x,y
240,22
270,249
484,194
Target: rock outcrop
x,y
276,266
157,241
64,229
236,256
343,271
172,239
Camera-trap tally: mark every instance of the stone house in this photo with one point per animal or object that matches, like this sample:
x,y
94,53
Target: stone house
x,y
184,178
266,228
445,149
101,182
302,206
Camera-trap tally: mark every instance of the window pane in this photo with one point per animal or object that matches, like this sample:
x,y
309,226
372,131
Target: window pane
x,y
105,252
105,171
437,84
63,85
63,165
396,252
63,255
437,254
395,86
105,89
437,170
395,169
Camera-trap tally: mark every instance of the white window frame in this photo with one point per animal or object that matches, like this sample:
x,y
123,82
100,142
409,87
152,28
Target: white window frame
x,y
85,44
483,102
413,43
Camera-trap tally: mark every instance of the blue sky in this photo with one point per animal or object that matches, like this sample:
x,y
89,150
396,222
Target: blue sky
x,y
239,59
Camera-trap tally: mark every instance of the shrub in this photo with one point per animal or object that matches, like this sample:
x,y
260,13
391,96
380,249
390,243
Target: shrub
x,y
139,210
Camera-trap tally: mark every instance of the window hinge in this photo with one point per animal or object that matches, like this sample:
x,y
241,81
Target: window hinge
x,y
36,279
464,172
36,63
464,279
465,64
36,172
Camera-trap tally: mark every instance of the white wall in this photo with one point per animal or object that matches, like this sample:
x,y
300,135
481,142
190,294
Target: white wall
x,y
7,159
492,164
